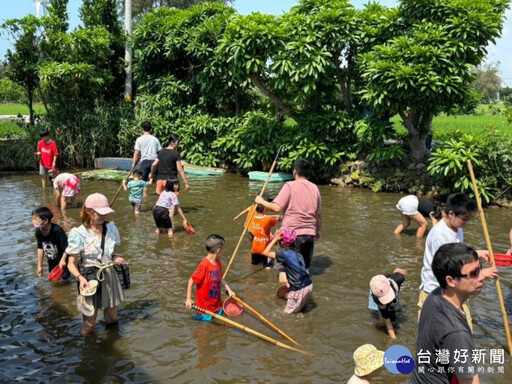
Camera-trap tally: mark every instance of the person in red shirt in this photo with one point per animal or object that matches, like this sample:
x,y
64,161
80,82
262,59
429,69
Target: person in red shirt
x,y
48,152
208,280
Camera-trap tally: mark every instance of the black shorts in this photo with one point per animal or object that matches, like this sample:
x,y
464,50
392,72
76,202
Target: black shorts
x,y
162,218
306,246
258,258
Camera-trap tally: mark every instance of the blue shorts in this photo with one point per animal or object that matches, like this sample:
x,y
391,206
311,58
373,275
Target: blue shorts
x,y
205,317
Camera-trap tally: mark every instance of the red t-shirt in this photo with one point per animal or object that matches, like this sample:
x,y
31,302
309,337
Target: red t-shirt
x,y
208,278
48,152
260,228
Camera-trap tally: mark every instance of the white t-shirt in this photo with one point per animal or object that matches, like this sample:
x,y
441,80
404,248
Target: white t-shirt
x,y
148,146
440,235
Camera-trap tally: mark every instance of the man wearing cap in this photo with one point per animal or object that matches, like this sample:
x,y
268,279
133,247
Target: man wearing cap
x,y
368,362
443,324
147,147
301,203
385,297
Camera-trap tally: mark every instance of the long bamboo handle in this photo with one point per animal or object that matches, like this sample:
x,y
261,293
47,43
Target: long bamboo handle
x,y
252,212
262,318
491,255
121,186
248,330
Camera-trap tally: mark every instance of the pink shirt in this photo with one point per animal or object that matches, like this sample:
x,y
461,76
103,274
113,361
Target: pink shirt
x,y
301,202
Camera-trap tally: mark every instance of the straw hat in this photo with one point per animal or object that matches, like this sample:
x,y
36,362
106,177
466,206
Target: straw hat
x,y
91,289
367,359
85,305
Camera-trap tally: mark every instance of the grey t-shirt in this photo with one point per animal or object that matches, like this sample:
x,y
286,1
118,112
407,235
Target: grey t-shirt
x,y
148,146
444,345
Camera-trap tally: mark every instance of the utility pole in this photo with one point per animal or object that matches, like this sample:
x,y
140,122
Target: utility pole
x,y
128,50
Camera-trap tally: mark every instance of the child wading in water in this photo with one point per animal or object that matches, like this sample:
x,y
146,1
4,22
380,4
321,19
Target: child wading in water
x,y
165,208
208,278
385,297
51,241
301,286
138,190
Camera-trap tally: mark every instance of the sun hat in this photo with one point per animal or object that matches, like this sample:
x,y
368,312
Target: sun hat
x,y
99,203
381,288
91,289
289,236
85,305
367,359
408,205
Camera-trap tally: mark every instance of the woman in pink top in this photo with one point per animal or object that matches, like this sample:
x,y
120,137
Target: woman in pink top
x,y
301,203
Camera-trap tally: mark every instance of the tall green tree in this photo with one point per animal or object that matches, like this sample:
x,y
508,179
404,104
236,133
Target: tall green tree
x,y
141,7
488,80
426,69
24,60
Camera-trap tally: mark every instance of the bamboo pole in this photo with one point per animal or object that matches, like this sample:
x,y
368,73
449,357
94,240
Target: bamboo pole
x,y
248,330
262,318
121,186
491,256
251,214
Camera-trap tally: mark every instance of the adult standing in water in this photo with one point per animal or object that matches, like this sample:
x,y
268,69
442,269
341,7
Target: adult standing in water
x,y
168,165
147,147
94,242
301,203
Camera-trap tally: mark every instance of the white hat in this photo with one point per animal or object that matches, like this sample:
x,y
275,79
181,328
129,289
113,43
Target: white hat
x,y
85,305
91,289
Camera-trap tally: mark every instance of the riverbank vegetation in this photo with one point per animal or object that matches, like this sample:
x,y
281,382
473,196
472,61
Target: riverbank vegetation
x,y
322,80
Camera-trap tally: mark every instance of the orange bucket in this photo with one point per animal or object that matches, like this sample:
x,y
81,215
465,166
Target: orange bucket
x,y
232,307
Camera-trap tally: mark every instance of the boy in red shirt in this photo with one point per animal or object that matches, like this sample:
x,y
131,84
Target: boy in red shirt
x,y
47,150
208,279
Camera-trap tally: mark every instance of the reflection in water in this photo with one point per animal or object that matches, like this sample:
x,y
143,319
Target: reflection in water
x,y
157,340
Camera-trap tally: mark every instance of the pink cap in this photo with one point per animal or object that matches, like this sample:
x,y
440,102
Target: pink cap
x,y
289,236
99,203
381,288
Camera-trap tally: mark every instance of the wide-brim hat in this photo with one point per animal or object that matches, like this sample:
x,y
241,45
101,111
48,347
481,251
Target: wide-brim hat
x,y
367,359
85,305
99,203
91,289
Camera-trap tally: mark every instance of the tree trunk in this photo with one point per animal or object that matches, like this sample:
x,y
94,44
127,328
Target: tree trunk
x,y
277,101
418,124
30,97
344,82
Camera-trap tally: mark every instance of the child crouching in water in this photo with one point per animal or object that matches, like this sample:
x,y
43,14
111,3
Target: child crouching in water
x,y
52,242
208,280
301,286
138,190
165,208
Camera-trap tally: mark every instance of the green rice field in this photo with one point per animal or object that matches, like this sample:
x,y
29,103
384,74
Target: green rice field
x,y
15,109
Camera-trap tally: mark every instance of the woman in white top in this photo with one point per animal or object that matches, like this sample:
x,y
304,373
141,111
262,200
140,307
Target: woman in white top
x,y
93,244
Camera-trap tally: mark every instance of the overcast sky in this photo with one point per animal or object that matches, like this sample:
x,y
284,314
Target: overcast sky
x,y
501,52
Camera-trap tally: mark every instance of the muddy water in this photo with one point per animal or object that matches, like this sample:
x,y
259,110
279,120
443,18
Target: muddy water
x,y
157,340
